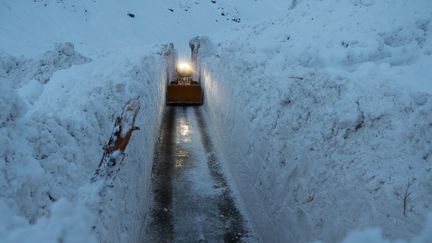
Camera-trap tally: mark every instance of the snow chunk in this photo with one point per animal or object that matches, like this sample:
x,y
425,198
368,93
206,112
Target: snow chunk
x,y
11,105
370,236
20,70
68,222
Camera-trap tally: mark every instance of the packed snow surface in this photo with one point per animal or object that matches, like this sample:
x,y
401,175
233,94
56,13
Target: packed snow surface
x,y
323,110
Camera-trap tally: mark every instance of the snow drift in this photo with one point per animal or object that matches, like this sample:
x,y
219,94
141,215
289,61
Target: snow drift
x,y
324,115
56,116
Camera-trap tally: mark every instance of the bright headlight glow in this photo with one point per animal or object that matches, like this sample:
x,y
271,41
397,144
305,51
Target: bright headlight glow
x,y
184,67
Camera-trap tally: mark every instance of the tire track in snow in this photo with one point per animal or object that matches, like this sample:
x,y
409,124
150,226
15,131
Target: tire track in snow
x,y
234,223
161,228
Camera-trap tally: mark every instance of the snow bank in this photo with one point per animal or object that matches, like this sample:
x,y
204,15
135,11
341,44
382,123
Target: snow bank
x,y
65,224
21,69
325,118
65,68
57,113
375,235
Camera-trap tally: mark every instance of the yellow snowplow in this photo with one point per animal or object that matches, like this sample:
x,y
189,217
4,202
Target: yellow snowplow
x,y
184,90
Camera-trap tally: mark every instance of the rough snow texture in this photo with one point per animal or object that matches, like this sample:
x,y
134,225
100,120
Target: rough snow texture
x,y
293,99
375,235
66,69
21,69
325,117
51,139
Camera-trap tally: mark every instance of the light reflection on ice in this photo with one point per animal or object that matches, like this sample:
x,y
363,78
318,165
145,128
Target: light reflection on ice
x,y
184,131
180,157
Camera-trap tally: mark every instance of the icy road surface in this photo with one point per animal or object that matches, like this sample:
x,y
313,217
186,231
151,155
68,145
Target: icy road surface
x,y
191,198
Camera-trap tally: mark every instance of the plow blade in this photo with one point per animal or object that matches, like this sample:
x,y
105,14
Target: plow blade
x,y
184,94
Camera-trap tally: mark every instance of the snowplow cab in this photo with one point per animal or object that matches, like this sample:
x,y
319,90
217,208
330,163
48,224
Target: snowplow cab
x,y
184,90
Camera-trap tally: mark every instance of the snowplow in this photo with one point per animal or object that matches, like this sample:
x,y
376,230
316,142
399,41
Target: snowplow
x,y
184,90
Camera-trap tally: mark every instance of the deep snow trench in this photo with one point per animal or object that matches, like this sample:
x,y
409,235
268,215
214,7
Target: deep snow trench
x,y
319,112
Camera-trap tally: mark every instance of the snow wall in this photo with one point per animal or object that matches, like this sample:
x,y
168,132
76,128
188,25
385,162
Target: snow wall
x,y
57,114
327,132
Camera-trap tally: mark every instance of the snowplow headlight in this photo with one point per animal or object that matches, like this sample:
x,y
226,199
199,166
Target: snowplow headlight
x,y
184,67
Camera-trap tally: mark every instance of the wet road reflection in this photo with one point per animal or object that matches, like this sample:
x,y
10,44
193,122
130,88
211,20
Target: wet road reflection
x,y
180,157
184,129
191,199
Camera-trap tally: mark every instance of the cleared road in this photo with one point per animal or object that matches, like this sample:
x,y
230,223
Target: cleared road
x,y
191,198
